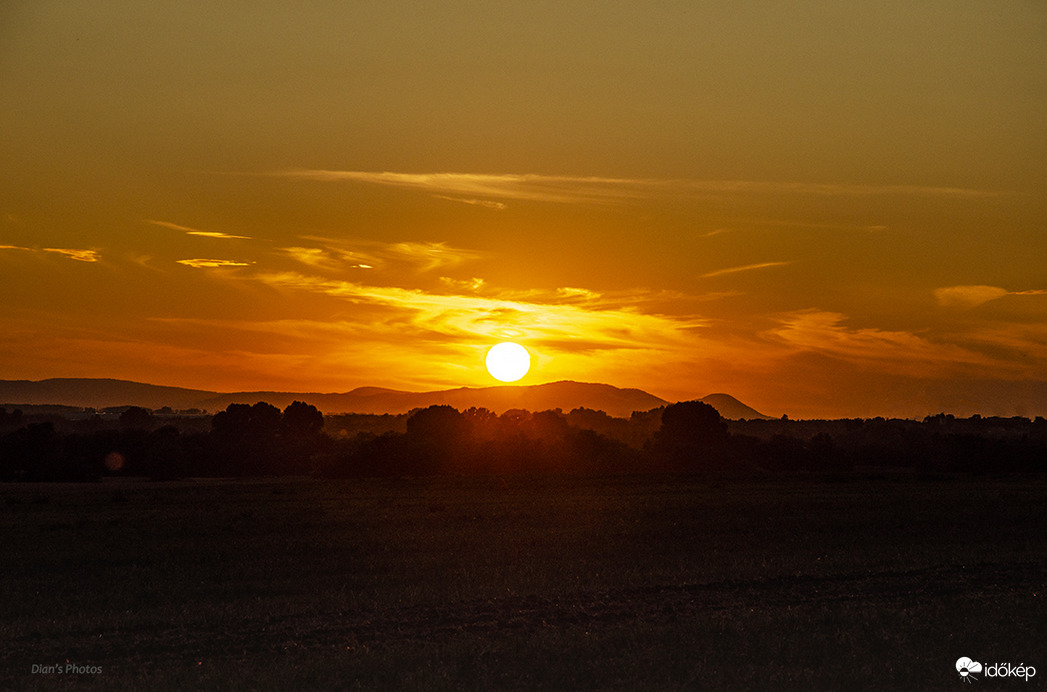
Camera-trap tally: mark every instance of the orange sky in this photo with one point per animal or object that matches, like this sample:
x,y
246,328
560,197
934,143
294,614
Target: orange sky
x,y
825,209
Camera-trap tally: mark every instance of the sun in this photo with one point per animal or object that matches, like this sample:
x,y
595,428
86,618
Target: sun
x,y
508,362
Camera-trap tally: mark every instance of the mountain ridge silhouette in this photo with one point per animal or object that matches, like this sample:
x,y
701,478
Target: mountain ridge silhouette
x,y
567,395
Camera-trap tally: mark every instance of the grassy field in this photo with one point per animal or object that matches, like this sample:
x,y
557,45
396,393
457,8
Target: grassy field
x,y
558,582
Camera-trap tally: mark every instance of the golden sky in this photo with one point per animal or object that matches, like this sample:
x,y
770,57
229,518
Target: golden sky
x,y
825,209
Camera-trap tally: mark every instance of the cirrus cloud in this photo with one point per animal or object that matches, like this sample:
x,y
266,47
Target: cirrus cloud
x,y
746,268
74,254
212,263
894,352
561,317
413,256
79,255
193,231
973,296
483,188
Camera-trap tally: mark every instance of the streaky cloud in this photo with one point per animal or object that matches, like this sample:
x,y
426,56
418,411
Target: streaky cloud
x,y
471,285
193,231
311,256
573,293
212,263
973,296
416,256
216,234
473,317
487,203
74,254
475,187
895,352
428,256
746,268
530,187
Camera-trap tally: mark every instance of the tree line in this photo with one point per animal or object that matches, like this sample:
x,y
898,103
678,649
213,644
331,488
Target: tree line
x,y
690,437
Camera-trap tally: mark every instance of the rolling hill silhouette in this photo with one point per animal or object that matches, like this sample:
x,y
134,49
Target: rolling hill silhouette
x,y
729,407
99,393
566,395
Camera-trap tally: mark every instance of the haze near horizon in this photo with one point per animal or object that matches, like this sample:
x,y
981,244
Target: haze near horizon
x,y
824,210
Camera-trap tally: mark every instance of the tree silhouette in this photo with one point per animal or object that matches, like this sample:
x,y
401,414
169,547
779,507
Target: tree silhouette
x,y
302,438
245,438
693,436
302,421
435,436
693,420
12,420
30,453
244,422
259,439
136,418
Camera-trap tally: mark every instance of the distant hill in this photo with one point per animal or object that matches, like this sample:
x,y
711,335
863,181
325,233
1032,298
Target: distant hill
x,y
102,393
729,407
563,395
99,393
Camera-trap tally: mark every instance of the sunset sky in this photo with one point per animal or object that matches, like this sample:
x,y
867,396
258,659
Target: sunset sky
x,y
823,208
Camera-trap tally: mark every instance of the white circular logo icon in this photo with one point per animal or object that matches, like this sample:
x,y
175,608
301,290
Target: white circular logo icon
x,y
967,668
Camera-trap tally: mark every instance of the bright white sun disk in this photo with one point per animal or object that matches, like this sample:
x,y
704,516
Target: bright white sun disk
x,y
508,362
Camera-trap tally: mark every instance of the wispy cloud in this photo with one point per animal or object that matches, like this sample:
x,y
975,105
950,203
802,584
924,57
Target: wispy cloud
x,y
895,352
472,285
973,296
212,263
429,256
311,256
193,231
329,257
746,268
480,188
489,204
575,294
414,256
74,254
563,318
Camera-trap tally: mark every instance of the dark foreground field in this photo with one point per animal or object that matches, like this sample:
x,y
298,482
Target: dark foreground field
x,y
652,582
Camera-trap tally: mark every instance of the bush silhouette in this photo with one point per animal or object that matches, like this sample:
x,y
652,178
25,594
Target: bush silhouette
x,y
693,437
302,421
